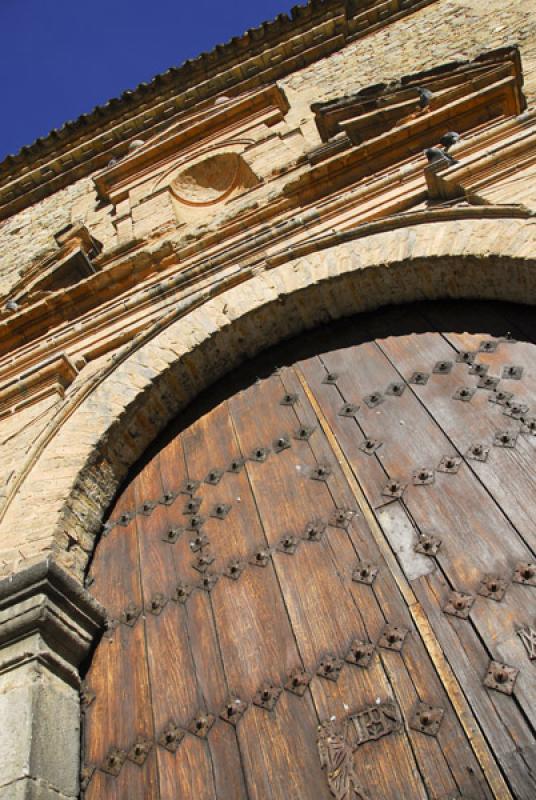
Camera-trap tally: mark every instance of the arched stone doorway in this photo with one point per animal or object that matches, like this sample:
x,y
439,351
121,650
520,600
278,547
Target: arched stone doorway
x,y
343,529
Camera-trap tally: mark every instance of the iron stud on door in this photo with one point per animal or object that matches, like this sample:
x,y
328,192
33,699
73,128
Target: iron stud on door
x,y
515,410
113,761
261,558
423,476
501,677
314,531
298,682
200,726
236,465
500,397
525,573
289,399
130,615
427,719
373,400
419,378
488,382
139,751
488,346
478,452
320,473
369,446
214,477
147,508
442,367
183,592
198,542
195,522
234,569
233,711
171,737
428,545
449,464
330,668
157,604
331,378
260,454
393,637
189,486
208,582
281,443
192,505
459,604
288,544
512,372
394,489
304,433
396,389
505,439
172,535
267,697
466,357
220,510
479,369
348,410
365,572
341,518
493,588
464,393
361,653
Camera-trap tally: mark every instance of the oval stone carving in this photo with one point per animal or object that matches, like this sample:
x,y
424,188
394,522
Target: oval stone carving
x,y
212,180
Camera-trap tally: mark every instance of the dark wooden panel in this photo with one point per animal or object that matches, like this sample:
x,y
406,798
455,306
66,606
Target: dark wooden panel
x,y
418,681
215,629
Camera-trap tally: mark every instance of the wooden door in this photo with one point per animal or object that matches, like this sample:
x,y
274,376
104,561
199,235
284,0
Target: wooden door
x,y
322,582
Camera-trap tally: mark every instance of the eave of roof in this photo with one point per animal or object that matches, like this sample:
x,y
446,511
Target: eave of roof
x,y
261,55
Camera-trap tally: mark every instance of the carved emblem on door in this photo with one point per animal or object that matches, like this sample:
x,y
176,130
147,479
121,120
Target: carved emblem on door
x,y
336,757
337,744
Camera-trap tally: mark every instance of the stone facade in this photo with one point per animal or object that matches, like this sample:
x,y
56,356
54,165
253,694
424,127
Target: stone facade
x,y
151,247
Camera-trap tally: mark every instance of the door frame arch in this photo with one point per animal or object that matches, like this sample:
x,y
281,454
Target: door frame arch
x,y
100,432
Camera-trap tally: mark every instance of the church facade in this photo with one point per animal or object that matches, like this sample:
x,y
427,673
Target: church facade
x,y
268,420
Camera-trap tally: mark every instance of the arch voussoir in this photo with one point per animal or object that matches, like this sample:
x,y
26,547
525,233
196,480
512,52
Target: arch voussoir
x,y
89,455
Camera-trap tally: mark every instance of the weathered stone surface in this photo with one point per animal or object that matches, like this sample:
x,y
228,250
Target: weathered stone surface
x,y
181,294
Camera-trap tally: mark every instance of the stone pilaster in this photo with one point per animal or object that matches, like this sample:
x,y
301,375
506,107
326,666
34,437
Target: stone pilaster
x,y
48,624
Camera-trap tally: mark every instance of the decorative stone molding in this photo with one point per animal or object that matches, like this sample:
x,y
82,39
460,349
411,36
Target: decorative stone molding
x,y
266,54
457,91
87,449
487,161
48,624
46,378
47,617
72,262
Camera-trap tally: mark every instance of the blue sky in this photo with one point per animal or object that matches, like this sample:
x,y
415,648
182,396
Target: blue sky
x,y
60,58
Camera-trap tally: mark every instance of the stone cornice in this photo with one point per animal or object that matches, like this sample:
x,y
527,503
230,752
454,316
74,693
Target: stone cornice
x,y
260,56
48,617
111,183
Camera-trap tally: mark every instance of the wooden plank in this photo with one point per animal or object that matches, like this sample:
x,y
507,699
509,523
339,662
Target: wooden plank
x,y
256,642
448,504
511,739
121,712
174,690
316,590
508,474
420,677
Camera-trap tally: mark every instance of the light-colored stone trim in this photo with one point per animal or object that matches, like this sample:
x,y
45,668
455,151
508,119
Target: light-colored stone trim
x,y
71,480
48,624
